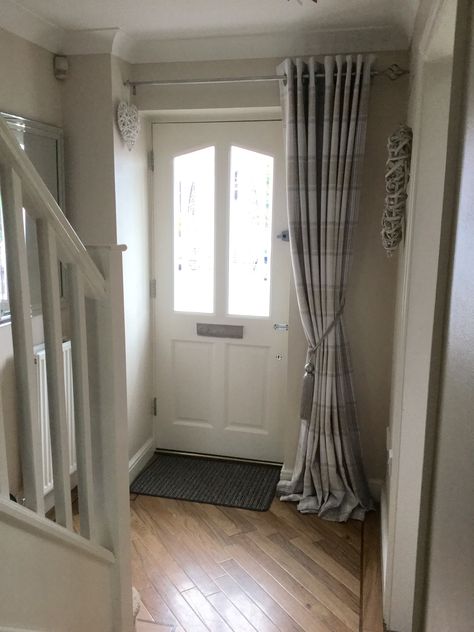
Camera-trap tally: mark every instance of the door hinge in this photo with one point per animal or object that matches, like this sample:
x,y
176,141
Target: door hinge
x,y
155,406
153,288
151,160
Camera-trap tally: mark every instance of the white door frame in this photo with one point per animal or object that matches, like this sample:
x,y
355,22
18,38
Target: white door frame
x,y
419,327
262,113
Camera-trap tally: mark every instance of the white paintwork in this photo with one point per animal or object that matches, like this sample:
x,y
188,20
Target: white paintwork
x,y
52,579
44,21
106,344
141,458
48,261
19,296
178,19
420,303
212,30
449,604
44,528
220,396
82,417
40,542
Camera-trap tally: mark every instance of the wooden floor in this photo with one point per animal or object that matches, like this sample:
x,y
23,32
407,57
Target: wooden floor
x,y
201,567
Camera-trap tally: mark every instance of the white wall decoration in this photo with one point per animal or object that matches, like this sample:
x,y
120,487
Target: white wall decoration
x,y
128,122
397,175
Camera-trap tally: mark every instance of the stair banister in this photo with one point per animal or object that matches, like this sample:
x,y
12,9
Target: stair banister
x,y
98,358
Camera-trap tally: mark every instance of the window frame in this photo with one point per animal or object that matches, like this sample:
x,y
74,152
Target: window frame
x,y
22,124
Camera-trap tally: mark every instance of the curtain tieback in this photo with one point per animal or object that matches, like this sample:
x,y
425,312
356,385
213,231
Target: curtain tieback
x,y
308,380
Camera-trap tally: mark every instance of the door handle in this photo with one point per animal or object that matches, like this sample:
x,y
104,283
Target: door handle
x,y
280,326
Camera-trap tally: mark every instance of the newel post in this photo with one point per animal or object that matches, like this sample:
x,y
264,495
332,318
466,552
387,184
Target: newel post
x,y
109,425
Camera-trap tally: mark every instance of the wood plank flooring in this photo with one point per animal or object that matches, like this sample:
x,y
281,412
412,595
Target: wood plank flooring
x,y
206,568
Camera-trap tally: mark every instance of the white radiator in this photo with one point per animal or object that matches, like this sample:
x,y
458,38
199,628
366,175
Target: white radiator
x,y
41,379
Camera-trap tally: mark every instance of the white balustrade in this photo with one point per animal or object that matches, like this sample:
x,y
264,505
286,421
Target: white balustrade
x,y
95,297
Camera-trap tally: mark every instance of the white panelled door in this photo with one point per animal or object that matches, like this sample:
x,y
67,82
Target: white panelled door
x,y
220,202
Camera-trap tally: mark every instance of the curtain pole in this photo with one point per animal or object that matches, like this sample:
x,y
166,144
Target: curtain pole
x,y
393,72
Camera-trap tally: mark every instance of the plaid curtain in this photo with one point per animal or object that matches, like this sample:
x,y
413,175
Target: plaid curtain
x,y
325,118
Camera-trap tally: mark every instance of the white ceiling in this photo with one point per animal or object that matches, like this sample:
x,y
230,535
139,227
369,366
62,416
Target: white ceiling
x,y
171,20
150,19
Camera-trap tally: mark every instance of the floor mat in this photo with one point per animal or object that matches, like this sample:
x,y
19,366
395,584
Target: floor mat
x,y
212,481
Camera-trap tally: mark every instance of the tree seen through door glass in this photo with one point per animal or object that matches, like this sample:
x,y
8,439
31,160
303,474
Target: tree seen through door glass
x,y
250,226
194,231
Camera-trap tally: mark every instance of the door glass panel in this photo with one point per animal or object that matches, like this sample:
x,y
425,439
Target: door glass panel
x,y
194,231
251,192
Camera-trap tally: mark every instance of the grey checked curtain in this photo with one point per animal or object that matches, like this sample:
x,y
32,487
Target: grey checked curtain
x,y
325,117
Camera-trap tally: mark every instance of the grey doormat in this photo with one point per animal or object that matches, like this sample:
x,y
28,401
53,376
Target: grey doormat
x,y
213,481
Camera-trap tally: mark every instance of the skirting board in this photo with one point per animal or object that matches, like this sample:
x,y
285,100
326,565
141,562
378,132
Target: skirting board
x,y
375,484
286,474
140,459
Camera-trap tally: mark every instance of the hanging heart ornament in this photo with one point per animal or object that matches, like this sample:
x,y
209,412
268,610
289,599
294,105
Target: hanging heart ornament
x,y
128,123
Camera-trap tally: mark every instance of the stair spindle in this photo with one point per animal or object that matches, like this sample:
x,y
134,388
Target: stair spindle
x,y
50,298
82,413
20,307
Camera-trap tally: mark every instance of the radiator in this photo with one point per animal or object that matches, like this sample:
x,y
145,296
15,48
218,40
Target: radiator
x,y
42,389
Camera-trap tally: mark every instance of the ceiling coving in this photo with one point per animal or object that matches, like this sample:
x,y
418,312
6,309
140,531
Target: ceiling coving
x,y
180,30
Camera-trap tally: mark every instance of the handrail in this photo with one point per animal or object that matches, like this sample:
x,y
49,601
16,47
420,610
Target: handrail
x,y
40,203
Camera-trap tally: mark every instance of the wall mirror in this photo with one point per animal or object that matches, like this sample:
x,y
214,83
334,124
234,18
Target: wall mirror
x,y
43,145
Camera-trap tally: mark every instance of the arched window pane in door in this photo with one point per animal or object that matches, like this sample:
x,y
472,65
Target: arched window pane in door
x,y
250,231
194,231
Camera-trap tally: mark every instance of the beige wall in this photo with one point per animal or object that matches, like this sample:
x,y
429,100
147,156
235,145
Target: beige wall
x,y
133,229
370,305
107,202
372,285
252,95
89,148
29,88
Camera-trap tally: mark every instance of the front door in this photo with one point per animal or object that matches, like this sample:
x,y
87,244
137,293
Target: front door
x,y
222,288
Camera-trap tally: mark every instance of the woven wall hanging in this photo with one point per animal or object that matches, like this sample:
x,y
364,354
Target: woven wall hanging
x,y
397,175
128,123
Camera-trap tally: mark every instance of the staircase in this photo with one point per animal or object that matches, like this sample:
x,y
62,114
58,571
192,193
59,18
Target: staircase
x,y
52,578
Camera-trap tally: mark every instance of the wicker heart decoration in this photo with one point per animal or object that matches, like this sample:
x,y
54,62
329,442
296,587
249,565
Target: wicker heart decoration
x,y
128,123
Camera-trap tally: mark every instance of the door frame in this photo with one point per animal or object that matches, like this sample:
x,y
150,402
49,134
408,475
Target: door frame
x,y
207,115
406,497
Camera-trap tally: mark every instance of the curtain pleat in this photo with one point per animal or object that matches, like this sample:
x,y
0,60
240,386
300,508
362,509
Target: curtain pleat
x,y
325,120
